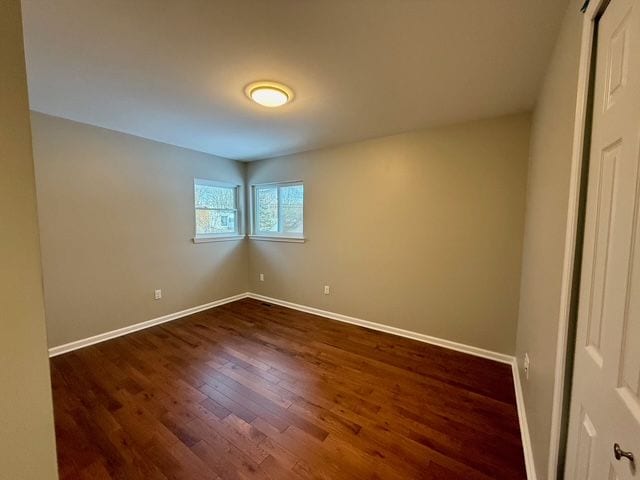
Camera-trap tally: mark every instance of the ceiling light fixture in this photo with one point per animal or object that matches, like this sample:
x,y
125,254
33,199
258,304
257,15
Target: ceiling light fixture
x,y
269,94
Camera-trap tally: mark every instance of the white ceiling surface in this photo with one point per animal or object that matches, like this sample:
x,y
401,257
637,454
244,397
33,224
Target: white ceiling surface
x,y
174,71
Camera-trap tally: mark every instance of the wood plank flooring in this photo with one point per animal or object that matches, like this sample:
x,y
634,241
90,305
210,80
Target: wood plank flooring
x,y
256,391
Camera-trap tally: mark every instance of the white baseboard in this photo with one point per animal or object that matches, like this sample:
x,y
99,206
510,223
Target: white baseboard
x,y
460,347
479,352
524,425
85,342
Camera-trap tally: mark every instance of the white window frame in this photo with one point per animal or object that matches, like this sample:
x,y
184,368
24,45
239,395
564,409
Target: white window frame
x,y
218,237
275,236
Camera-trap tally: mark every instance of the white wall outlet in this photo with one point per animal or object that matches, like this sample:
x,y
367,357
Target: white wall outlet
x,y
525,365
327,290
157,294
262,277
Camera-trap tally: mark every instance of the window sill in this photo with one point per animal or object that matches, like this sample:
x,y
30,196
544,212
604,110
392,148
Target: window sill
x,y
264,238
221,238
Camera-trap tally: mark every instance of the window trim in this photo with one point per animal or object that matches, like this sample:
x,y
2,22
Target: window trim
x,y
265,238
275,236
238,233
202,239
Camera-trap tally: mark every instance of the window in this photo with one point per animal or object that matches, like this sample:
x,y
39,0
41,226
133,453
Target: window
x,y
278,210
216,206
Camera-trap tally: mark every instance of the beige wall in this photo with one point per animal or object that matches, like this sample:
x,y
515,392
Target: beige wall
x,y
453,274
546,223
421,231
116,218
27,448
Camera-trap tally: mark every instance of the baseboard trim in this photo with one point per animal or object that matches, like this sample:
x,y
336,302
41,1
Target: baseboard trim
x,y
524,425
460,347
102,337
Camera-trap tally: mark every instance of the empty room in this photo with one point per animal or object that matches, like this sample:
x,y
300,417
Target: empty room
x,y
329,239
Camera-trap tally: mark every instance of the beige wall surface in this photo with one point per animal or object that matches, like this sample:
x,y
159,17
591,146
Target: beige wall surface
x,y
117,218
545,230
27,447
421,231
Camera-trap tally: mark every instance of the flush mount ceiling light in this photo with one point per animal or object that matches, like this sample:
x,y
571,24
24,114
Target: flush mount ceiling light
x,y
269,94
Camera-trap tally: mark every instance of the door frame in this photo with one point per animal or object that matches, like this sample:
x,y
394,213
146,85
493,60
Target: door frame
x,y
573,239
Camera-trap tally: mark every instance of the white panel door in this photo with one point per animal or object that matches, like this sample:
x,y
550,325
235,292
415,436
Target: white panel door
x,y
605,402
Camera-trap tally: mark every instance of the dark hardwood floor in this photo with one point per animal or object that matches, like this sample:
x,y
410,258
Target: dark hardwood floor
x,y
255,391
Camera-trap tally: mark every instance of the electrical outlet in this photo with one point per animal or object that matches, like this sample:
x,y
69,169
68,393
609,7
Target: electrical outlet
x,y
262,277
526,365
327,290
157,294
